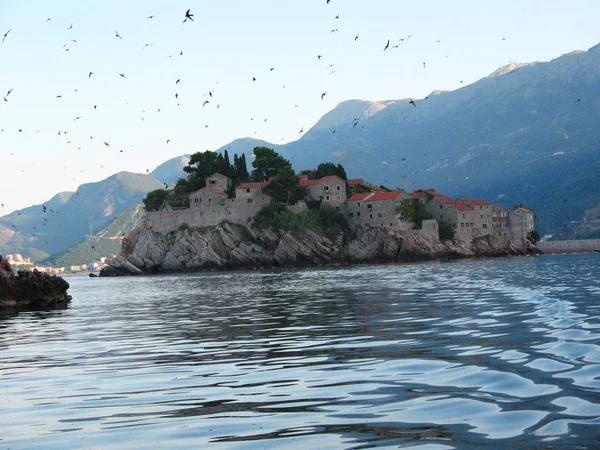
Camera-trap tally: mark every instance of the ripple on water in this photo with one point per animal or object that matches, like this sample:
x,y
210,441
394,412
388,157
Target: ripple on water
x,y
460,355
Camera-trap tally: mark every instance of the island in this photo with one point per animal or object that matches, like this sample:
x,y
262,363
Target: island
x,y
316,218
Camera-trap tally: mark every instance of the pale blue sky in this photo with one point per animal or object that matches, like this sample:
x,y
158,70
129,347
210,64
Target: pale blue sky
x,y
229,43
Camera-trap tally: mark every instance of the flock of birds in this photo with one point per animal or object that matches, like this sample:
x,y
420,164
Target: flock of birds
x,y
188,16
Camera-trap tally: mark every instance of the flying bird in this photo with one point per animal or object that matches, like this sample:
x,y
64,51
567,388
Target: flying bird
x,y
107,144
355,38
424,65
386,45
48,19
412,102
5,34
70,26
323,95
117,34
90,74
204,104
301,130
188,15
178,81
149,17
122,74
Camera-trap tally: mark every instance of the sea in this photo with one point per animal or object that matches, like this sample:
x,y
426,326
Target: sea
x,y
496,353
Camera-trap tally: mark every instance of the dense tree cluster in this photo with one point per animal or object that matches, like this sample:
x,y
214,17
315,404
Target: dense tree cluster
x,y
267,166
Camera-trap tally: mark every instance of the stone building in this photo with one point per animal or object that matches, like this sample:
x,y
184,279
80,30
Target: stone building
x,y
378,209
331,190
207,197
218,181
521,223
501,223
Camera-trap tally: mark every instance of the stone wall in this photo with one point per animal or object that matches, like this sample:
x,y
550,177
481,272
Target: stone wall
x,y
582,245
233,210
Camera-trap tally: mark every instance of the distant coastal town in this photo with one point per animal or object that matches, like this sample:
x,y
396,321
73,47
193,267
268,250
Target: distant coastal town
x,y
18,262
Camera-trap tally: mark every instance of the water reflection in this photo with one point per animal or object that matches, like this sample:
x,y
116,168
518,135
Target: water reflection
x,y
499,352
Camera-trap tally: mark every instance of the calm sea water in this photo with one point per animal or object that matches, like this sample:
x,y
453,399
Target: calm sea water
x,y
503,353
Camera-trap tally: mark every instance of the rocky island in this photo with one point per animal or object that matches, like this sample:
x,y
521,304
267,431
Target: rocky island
x,y
229,246
320,217
31,289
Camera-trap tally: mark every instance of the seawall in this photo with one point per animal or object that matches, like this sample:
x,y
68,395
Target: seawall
x,y
574,246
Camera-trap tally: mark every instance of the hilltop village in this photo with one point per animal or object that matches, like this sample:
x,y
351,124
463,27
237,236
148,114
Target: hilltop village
x,y
362,204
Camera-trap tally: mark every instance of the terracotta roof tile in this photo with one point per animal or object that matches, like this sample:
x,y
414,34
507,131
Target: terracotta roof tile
x,y
305,182
361,196
254,184
391,195
216,191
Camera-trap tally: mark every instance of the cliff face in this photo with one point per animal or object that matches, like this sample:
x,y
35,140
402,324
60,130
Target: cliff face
x,y
31,289
229,246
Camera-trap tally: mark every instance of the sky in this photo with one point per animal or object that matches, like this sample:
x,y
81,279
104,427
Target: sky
x,y
239,69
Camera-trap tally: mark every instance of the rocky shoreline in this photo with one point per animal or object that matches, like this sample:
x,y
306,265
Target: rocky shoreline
x,y
230,246
31,289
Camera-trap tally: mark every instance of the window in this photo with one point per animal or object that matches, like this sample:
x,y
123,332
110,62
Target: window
x,y
338,187
212,181
326,187
247,189
482,216
350,214
210,199
358,204
379,215
358,214
339,197
327,197
248,200
462,225
485,225
369,206
441,206
481,207
196,200
370,216
463,215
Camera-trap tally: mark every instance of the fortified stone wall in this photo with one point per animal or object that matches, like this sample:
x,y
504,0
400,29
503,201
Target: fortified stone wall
x,y
234,212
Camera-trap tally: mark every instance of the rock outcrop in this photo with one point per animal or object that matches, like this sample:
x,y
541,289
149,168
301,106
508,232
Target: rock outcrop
x,y
31,289
229,246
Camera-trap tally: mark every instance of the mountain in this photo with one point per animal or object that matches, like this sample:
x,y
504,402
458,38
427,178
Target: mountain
x,y
170,171
528,133
68,218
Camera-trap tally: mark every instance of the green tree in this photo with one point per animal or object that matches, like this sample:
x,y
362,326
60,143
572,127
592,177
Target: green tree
x,y
154,199
201,166
533,237
446,231
266,163
329,168
284,186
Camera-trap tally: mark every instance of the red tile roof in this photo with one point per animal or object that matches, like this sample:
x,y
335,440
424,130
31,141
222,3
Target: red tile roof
x,y
255,184
355,181
307,182
461,206
446,200
391,195
360,196
216,191
475,201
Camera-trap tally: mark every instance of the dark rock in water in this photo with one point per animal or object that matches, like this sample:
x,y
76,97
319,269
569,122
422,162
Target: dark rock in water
x,y
31,289
92,275
230,246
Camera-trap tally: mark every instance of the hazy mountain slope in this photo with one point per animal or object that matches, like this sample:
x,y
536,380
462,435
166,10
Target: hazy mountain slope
x,y
527,133
105,242
33,231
